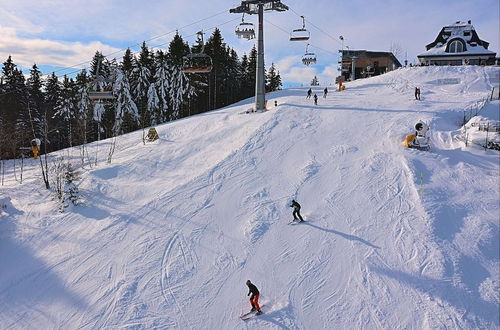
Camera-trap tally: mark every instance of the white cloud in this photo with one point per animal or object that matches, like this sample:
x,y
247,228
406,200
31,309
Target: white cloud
x,y
26,51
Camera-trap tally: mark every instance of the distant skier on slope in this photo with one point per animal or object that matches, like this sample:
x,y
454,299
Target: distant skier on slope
x,y
254,298
296,211
325,92
417,93
309,93
315,99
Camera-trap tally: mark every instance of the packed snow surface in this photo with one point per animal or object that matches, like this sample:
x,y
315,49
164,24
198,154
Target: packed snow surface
x,y
170,231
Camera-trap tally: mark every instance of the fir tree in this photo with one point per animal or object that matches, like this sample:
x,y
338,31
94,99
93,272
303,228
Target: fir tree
x,y
13,107
141,80
315,81
82,109
52,94
126,114
127,63
65,109
177,50
36,101
252,71
244,76
162,85
273,79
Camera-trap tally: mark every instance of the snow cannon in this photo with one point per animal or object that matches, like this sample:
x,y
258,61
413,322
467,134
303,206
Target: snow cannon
x,y
35,147
419,140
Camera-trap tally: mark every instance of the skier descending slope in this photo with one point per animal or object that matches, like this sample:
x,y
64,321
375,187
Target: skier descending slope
x,y
254,298
309,93
296,211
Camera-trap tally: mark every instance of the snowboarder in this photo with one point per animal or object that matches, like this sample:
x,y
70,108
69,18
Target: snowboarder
x,y
296,211
309,92
315,99
254,298
417,93
325,91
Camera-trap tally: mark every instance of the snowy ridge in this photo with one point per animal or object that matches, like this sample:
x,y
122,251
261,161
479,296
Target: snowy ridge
x,y
170,231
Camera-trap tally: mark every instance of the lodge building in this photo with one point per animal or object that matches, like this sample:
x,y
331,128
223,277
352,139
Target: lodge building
x,y
366,63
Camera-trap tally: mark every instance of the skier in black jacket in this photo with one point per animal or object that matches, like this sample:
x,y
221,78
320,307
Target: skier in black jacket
x,y
309,93
296,211
254,298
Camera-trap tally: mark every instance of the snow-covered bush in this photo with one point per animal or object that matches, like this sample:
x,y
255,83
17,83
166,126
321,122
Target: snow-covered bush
x,y
66,189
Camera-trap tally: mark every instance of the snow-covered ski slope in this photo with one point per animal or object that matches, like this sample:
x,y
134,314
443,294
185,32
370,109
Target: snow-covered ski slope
x,y
395,238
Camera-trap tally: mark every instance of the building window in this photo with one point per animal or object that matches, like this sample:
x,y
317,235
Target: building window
x,y
455,47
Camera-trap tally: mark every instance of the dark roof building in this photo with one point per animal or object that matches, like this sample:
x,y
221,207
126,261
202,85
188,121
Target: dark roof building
x,y
367,63
457,44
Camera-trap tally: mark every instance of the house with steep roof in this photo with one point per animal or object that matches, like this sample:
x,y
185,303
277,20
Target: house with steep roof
x,y
457,44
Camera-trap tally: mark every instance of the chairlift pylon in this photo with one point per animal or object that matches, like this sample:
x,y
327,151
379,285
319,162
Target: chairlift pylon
x,y
197,62
245,30
300,34
309,57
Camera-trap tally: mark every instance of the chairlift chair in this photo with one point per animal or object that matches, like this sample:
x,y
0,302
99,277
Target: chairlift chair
x,y
100,95
103,95
245,30
300,34
308,58
197,62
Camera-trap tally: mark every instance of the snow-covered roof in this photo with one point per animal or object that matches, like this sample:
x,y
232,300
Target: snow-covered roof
x,y
465,33
470,50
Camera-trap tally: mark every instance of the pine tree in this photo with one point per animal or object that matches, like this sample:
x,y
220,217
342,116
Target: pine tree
x,y
127,63
36,101
23,126
180,88
53,126
315,81
71,192
162,85
141,80
99,70
65,109
273,79
126,115
82,108
244,76
233,72
180,91
216,49
252,72
13,108
177,49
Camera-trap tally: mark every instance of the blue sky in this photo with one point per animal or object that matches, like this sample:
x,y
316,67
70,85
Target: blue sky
x,y
54,33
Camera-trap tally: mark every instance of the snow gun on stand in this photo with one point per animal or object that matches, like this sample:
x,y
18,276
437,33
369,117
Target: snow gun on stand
x,y
35,147
419,140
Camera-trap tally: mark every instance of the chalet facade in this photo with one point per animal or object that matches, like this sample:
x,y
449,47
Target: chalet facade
x,y
366,63
457,44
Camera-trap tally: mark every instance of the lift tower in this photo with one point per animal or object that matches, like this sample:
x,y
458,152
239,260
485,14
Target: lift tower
x,y
258,7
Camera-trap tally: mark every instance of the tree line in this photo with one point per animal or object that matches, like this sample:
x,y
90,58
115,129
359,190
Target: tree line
x,y
149,88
